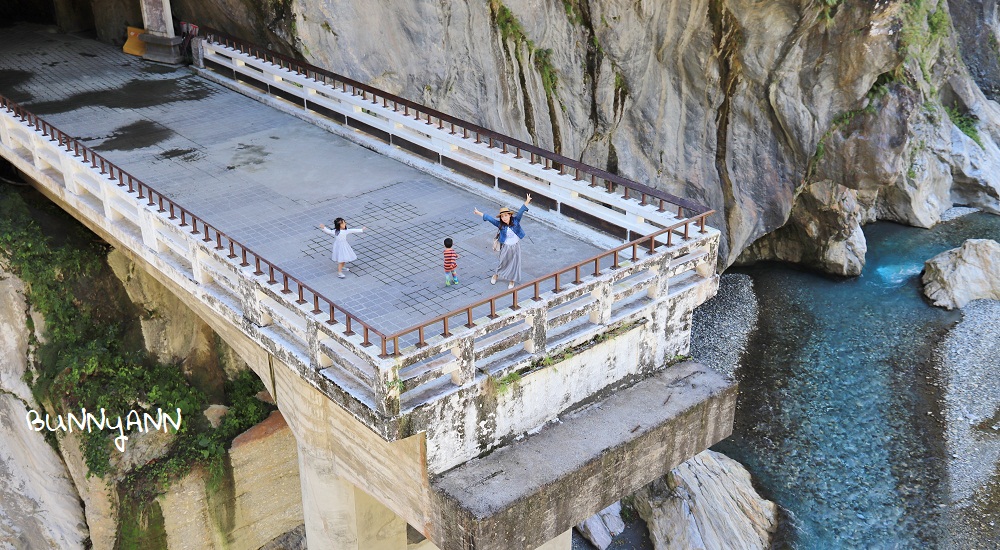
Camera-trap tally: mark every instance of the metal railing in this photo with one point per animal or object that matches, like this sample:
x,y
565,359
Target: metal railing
x,y
184,218
649,241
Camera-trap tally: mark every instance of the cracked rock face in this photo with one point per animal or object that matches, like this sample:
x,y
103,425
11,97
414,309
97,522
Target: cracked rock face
x,y
39,506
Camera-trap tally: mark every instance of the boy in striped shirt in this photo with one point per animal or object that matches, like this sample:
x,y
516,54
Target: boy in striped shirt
x,y
450,263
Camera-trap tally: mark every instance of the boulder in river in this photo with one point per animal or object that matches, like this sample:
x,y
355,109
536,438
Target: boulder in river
x,y
970,272
707,503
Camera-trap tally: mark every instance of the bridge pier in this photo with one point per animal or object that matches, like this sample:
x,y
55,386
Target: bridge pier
x,y
340,514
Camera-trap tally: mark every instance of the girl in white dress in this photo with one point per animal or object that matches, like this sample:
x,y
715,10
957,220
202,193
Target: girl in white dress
x,y
342,251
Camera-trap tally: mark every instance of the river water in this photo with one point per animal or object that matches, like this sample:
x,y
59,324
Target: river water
x,y
841,395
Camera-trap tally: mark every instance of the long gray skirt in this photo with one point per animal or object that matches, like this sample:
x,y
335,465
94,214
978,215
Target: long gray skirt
x,y
509,266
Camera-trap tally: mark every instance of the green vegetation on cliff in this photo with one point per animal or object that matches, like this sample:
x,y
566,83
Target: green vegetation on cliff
x,y
510,29
92,356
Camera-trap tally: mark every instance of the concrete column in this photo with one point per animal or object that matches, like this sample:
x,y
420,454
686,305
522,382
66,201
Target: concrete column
x,y
562,542
338,515
161,44
157,17
601,312
147,225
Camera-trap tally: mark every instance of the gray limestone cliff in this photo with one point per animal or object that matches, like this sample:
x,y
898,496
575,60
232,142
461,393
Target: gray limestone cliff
x,y
39,505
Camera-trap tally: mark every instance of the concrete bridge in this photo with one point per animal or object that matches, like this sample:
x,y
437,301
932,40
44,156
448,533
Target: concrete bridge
x,y
482,419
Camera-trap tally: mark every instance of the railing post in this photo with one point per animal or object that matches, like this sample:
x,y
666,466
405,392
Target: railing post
x,y
537,341
314,334
465,352
601,312
253,311
198,52
147,226
386,390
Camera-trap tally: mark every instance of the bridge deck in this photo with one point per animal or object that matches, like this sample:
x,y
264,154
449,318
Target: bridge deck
x,y
267,178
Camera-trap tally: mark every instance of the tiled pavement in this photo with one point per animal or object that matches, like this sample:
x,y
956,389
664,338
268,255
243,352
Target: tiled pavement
x,y
268,179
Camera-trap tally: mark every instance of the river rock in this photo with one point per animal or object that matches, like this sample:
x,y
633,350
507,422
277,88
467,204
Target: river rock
x,y
214,414
707,503
972,271
603,526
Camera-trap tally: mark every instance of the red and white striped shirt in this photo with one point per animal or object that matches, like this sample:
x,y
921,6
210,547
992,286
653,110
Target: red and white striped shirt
x,y
450,259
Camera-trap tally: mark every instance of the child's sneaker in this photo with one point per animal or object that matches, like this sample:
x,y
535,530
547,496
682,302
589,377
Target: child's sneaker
x,y
454,280
341,275
447,280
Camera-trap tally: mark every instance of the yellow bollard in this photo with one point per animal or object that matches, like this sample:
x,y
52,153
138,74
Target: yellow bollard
x,y
133,45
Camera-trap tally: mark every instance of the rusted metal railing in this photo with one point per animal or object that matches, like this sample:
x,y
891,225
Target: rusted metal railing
x,y
649,242
185,218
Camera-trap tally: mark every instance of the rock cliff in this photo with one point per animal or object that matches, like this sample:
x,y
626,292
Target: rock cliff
x,y
39,505
130,341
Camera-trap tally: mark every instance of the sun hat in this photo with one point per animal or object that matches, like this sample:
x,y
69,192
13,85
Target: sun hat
x,y
505,210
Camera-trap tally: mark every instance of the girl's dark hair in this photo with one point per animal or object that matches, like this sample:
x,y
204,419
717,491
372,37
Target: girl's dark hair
x,y
448,242
336,225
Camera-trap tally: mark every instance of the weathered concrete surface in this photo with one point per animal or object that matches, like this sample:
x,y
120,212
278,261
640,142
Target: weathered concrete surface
x,y
534,489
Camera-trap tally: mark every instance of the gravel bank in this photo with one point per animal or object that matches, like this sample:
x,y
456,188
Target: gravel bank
x,y
970,359
956,212
722,325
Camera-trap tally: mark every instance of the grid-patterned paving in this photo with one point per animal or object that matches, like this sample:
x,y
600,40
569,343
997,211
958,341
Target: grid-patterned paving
x,y
269,179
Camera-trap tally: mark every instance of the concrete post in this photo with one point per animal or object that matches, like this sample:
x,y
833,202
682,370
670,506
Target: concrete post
x,y
465,351
252,309
536,342
601,313
339,516
658,292
5,133
147,225
157,17
69,168
198,52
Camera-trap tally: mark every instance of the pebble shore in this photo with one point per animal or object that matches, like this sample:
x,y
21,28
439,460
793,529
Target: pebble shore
x,y
722,325
970,361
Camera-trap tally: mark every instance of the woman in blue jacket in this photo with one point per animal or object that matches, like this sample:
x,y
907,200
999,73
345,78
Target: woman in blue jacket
x,y
509,234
